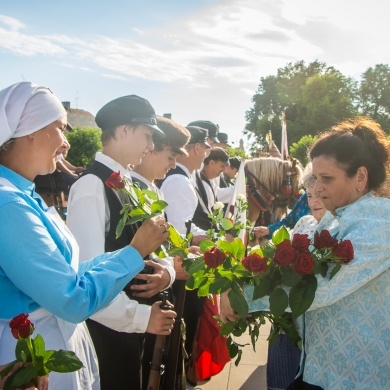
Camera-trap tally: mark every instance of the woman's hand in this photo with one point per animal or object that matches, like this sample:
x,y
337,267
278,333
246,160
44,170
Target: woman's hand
x,y
152,233
227,312
261,231
41,382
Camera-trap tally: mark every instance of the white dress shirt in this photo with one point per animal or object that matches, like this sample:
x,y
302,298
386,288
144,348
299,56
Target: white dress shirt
x,y
88,219
180,194
223,195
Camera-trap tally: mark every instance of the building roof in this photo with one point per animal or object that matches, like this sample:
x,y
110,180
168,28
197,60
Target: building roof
x,y
80,118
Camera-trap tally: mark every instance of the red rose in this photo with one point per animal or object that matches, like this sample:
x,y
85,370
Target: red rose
x,y
344,251
115,181
300,242
324,240
284,253
304,264
214,257
255,263
21,326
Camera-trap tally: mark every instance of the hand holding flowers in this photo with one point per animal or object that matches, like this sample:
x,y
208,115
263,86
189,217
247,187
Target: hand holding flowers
x,y
282,270
32,358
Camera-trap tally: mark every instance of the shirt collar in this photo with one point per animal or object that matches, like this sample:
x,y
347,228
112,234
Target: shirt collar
x,y
112,164
136,175
22,184
185,169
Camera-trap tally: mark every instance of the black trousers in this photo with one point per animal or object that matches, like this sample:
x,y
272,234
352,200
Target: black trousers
x,y
119,355
193,307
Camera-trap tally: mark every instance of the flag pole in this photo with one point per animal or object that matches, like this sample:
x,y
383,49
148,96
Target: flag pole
x,y
284,143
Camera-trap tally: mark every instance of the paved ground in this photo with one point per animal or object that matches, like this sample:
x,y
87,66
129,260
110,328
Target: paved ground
x,y
250,373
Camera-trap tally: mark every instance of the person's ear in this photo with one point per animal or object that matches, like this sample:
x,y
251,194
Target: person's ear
x,y
361,178
121,131
197,148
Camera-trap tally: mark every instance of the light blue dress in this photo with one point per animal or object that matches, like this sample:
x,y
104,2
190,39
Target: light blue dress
x,y
346,331
40,275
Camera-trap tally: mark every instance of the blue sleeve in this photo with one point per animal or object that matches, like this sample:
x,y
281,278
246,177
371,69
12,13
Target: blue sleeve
x,y
300,209
35,269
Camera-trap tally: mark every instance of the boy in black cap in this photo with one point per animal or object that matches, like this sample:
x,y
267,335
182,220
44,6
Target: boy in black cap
x,y
208,191
128,124
211,128
223,140
181,195
155,165
178,187
228,176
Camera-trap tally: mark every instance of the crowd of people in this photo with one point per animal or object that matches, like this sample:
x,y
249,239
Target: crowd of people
x,y
99,295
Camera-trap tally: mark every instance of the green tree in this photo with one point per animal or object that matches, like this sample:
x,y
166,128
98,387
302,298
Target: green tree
x,y
313,97
299,150
374,94
236,152
84,143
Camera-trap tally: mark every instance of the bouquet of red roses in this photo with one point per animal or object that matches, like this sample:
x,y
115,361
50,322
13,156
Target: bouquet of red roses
x,y
284,270
36,360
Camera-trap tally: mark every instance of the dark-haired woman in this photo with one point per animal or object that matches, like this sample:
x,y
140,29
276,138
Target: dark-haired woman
x,y
346,331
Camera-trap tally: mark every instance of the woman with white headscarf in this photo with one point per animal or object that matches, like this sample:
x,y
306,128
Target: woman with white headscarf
x,y
39,269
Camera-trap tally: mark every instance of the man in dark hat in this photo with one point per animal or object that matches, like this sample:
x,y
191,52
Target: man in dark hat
x,y
178,187
180,193
228,176
211,128
213,165
128,126
155,165
223,140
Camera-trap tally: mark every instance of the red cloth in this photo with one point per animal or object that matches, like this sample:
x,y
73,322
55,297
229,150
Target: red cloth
x,y
212,352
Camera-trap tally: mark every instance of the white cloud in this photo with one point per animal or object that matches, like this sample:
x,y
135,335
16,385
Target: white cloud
x,y
11,23
238,41
22,43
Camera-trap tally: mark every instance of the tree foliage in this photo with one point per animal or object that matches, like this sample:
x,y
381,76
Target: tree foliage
x,y
375,95
84,143
233,152
313,97
299,150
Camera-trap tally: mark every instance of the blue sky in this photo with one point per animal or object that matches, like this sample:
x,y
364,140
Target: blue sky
x,y
195,59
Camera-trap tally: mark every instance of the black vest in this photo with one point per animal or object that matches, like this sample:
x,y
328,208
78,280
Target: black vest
x,y
201,218
111,242
176,171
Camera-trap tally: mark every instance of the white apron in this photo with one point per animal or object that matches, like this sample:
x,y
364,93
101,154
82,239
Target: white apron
x,y
58,334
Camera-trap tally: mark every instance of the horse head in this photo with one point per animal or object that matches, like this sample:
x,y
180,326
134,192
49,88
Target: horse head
x,y
272,186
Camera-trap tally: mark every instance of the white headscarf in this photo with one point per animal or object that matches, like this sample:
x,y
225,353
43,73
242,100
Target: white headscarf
x,y
25,108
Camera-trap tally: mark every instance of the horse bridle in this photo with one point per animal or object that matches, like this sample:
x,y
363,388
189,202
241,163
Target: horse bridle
x,y
260,195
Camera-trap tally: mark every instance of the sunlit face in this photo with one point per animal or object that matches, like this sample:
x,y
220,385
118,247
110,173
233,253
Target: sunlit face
x,y
163,161
333,186
231,172
48,144
136,144
203,152
212,143
217,168
222,145
315,204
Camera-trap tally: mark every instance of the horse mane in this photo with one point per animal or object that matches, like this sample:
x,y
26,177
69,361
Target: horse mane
x,y
272,171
